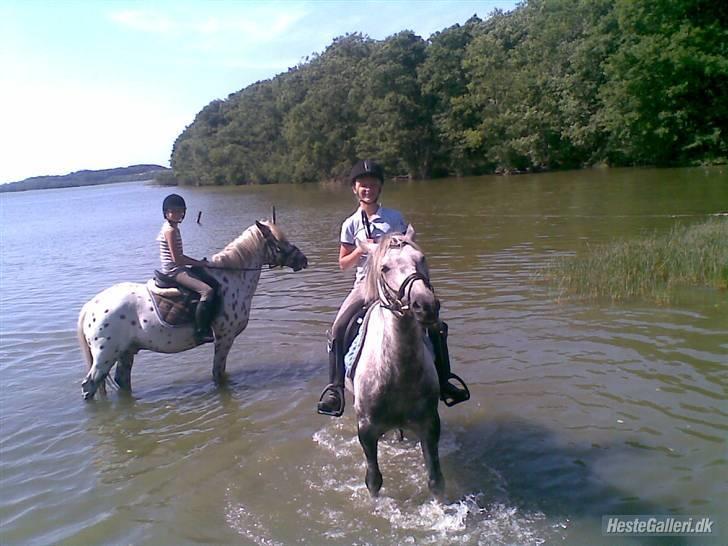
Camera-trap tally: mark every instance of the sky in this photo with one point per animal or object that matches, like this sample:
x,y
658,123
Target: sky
x,y
99,84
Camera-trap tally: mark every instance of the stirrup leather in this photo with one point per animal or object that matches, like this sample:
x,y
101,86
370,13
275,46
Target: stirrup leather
x,y
338,390
449,400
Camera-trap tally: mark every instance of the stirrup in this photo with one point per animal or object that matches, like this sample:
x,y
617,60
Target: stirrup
x,y
449,400
338,390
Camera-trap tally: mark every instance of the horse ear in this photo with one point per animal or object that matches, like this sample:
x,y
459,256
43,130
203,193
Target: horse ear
x,y
366,246
410,235
265,230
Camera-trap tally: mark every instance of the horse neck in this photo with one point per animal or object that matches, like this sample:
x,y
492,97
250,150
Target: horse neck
x,y
402,343
247,252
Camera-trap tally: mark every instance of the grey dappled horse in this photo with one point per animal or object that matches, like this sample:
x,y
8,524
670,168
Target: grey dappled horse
x,y
395,384
120,321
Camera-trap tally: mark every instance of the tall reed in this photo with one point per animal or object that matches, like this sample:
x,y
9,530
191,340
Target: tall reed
x,y
650,267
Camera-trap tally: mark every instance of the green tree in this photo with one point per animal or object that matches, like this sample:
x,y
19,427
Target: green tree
x,y
443,79
394,123
665,98
318,131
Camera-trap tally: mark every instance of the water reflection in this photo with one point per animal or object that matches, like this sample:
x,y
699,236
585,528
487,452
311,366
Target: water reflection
x,y
578,409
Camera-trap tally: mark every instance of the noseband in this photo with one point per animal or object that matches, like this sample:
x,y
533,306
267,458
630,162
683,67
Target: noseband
x,y
395,302
281,256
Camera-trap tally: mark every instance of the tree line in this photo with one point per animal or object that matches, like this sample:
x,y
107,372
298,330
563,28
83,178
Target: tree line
x,y
553,84
88,178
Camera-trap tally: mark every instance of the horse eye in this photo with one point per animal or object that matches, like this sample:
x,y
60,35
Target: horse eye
x,y
385,269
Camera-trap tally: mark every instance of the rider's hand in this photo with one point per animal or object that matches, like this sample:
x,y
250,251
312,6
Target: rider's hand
x,y
362,251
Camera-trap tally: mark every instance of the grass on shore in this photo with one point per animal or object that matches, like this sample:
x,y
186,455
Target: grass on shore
x,y
650,267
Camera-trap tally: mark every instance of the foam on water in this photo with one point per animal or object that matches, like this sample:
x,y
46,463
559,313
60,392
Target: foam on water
x,y
405,505
248,525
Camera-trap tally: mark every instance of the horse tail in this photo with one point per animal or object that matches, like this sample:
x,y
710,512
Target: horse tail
x,y
85,349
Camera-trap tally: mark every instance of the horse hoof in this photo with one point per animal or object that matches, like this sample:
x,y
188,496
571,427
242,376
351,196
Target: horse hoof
x,y
437,489
87,389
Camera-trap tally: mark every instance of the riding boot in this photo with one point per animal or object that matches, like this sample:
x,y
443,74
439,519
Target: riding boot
x,y
332,399
203,317
449,393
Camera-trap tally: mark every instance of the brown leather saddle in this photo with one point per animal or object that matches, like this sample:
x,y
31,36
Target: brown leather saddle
x,y
174,305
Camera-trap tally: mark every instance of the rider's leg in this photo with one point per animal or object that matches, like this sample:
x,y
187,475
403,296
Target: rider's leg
x,y
449,393
332,399
203,313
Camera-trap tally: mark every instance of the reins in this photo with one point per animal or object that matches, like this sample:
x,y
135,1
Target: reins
x,y
271,244
222,268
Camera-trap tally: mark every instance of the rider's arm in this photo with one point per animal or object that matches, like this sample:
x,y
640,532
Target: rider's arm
x,y
177,255
349,255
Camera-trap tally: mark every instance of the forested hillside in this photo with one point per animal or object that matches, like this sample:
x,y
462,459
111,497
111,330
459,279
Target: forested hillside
x,y
553,84
87,178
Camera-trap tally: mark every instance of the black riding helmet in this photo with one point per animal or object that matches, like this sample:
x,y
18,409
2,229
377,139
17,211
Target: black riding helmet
x,y
173,201
366,167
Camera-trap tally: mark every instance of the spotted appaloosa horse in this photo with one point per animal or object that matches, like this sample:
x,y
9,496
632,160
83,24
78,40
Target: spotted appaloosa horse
x,y
120,321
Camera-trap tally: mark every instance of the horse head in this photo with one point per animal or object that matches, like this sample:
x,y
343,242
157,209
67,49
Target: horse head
x,y
280,252
398,276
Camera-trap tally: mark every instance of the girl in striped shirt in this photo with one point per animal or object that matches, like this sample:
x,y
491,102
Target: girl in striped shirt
x,y
177,265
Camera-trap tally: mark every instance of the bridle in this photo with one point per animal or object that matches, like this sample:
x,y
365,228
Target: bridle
x,y
281,255
398,302
274,247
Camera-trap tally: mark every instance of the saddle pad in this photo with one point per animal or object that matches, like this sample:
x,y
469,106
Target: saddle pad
x,y
171,311
354,351
352,354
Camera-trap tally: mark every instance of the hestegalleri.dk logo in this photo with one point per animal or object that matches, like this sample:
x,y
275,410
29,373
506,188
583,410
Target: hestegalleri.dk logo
x,y
657,525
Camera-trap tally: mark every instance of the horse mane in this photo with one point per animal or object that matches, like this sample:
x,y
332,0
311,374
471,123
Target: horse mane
x,y
242,251
373,266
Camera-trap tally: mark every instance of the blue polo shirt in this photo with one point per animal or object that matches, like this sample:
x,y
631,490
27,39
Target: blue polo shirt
x,y
382,222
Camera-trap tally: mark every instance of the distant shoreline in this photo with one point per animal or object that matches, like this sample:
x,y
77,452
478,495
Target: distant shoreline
x,y
86,178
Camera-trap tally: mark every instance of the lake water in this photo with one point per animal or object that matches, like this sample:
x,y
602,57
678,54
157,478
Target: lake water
x,y
579,409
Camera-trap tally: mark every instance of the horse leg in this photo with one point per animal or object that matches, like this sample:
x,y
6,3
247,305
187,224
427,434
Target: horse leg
x,y
369,440
96,377
429,436
222,348
122,376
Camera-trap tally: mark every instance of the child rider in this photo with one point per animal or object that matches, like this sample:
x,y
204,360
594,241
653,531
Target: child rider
x,y
177,266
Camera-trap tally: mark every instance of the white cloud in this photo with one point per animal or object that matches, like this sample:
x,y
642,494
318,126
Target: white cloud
x,y
144,21
250,23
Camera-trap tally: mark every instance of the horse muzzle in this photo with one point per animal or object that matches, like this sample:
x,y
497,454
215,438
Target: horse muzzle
x,y
426,311
298,261
425,307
